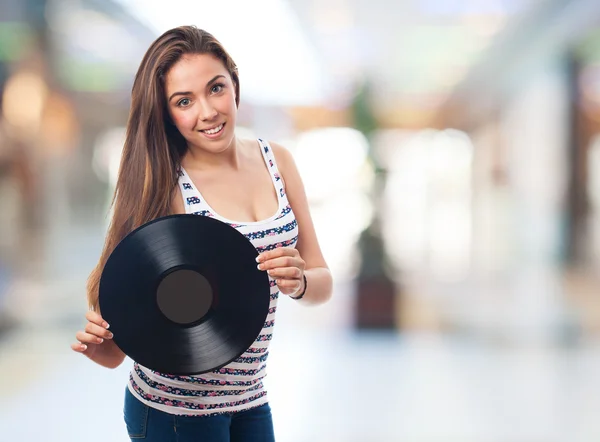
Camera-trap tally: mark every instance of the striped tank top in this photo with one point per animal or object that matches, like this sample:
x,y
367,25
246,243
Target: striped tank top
x,y
237,386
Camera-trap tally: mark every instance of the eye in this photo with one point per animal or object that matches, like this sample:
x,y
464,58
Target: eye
x,y
183,102
217,88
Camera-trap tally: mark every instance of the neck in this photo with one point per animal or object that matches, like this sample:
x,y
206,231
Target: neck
x,y
198,158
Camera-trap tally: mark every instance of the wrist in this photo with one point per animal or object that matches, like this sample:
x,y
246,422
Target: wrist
x,y
300,293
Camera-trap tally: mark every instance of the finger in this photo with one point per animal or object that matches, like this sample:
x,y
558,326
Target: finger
x,y
276,253
88,338
79,347
285,261
285,273
96,319
96,330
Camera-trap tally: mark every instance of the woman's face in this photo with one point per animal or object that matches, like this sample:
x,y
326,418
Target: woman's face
x,y
201,101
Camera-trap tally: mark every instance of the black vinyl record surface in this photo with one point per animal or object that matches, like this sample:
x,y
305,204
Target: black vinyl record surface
x,y
183,295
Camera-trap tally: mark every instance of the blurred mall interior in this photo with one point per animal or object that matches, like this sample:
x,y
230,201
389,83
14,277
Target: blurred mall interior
x,y
450,152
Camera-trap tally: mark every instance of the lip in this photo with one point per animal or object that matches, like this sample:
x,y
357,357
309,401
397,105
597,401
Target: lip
x,y
213,136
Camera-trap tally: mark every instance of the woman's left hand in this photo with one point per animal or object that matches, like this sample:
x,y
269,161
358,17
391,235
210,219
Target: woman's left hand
x,y
286,266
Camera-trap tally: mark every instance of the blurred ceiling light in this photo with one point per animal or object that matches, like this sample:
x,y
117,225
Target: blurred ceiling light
x,y
23,101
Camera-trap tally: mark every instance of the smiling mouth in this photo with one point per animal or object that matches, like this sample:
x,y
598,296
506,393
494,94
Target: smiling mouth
x,y
214,130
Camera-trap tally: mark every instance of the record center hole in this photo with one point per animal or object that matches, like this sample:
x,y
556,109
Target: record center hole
x,y
184,296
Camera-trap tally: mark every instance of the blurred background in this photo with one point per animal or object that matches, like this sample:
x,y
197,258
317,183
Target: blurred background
x,y
451,157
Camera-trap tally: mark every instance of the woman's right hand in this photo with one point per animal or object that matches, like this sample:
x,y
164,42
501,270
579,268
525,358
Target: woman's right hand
x,y
95,334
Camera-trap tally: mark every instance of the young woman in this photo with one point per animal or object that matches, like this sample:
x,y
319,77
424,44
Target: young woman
x,y
181,155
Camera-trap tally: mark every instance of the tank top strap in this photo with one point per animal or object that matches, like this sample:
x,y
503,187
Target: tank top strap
x,y
193,202
269,157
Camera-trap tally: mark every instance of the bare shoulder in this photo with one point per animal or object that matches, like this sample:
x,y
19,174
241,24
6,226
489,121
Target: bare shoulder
x,y
284,158
251,148
307,245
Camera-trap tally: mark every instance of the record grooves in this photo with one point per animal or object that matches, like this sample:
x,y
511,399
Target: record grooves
x,y
183,296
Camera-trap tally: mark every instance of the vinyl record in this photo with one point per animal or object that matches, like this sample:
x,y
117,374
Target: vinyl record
x,y
183,295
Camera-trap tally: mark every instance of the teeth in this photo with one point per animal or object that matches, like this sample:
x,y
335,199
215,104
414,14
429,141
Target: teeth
x,y
213,131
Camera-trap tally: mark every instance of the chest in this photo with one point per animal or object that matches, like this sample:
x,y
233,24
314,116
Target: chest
x,y
248,196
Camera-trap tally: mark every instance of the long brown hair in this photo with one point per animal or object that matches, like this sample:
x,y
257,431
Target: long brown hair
x,y
153,146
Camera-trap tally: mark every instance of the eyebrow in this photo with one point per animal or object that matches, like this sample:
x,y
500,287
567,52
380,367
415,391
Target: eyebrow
x,y
215,78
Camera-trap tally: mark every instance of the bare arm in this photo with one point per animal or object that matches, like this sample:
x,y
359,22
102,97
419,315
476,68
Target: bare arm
x,y
319,280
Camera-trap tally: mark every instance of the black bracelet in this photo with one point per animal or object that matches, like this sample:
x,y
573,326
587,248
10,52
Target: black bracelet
x,y
303,291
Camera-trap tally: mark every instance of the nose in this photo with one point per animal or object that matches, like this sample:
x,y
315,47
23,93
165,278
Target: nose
x,y
207,111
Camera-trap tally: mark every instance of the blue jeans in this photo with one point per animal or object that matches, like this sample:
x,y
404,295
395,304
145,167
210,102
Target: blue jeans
x,y
152,425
